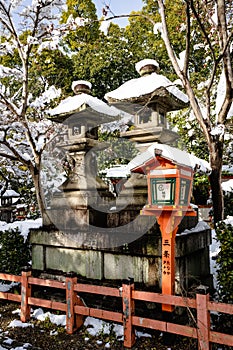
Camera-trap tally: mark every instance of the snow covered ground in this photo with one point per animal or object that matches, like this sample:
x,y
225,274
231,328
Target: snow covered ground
x,y
95,327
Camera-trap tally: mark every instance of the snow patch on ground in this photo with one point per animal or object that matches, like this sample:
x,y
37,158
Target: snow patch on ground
x,y
23,226
6,287
59,320
17,323
94,325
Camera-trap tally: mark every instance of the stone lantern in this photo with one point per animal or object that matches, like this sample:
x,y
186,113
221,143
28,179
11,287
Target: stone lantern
x,y
8,202
83,195
149,98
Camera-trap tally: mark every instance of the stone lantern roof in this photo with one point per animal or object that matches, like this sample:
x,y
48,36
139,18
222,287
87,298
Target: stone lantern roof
x,y
149,98
84,108
149,88
10,193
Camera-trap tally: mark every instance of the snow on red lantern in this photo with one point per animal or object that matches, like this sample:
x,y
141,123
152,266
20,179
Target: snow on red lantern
x,y
169,174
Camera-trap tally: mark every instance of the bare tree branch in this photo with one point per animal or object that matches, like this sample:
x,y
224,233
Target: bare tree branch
x,y
203,121
131,16
187,46
224,44
9,105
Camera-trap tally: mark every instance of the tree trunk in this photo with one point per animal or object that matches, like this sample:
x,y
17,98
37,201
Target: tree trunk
x,y
46,221
215,180
217,195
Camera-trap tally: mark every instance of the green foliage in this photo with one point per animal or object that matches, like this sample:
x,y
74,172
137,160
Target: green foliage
x,y
191,135
88,32
228,204
201,188
224,234
119,151
50,67
14,252
144,43
107,63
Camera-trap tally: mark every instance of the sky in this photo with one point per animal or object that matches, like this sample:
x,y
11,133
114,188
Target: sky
x,y
119,7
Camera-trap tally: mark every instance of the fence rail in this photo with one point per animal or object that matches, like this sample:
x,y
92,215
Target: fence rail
x,y
76,310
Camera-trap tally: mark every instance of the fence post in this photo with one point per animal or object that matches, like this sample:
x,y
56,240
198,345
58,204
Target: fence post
x,y
71,279
25,294
203,318
128,312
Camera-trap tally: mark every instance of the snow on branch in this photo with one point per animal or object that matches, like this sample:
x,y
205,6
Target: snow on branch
x,y
47,96
9,72
158,28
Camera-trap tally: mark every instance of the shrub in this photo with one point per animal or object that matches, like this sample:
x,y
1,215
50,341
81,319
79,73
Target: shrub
x,y
224,234
14,252
228,204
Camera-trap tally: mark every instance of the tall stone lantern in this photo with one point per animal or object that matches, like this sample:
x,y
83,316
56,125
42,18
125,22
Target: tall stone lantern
x,y
149,98
83,195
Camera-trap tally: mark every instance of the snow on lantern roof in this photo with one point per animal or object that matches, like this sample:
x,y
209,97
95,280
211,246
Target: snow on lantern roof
x,y
80,82
149,87
147,61
74,105
155,84
172,154
10,193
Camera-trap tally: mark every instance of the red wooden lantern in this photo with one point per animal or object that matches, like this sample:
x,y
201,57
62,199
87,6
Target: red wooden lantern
x,y
169,190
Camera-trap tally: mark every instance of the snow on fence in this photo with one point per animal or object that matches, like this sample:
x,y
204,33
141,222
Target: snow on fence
x,y
75,308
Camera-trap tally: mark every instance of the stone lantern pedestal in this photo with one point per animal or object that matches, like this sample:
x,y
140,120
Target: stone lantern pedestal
x,y
84,198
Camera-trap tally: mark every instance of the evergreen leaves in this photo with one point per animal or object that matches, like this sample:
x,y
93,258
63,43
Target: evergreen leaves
x,y
224,233
14,252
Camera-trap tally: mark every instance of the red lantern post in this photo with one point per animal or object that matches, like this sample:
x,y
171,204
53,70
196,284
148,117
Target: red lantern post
x,y
169,192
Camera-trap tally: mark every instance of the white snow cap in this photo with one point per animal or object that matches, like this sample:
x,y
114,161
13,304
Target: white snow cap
x,y
72,103
10,193
104,26
228,168
139,65
80,82
173,154
218,130
221,93
146,85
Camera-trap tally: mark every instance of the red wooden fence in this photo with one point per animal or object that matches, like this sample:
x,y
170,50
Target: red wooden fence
x,y
76,310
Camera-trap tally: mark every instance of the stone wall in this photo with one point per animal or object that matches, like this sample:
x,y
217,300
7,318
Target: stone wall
x,y
90,255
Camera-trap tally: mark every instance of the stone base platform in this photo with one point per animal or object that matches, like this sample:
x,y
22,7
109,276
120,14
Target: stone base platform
x,y
57,252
